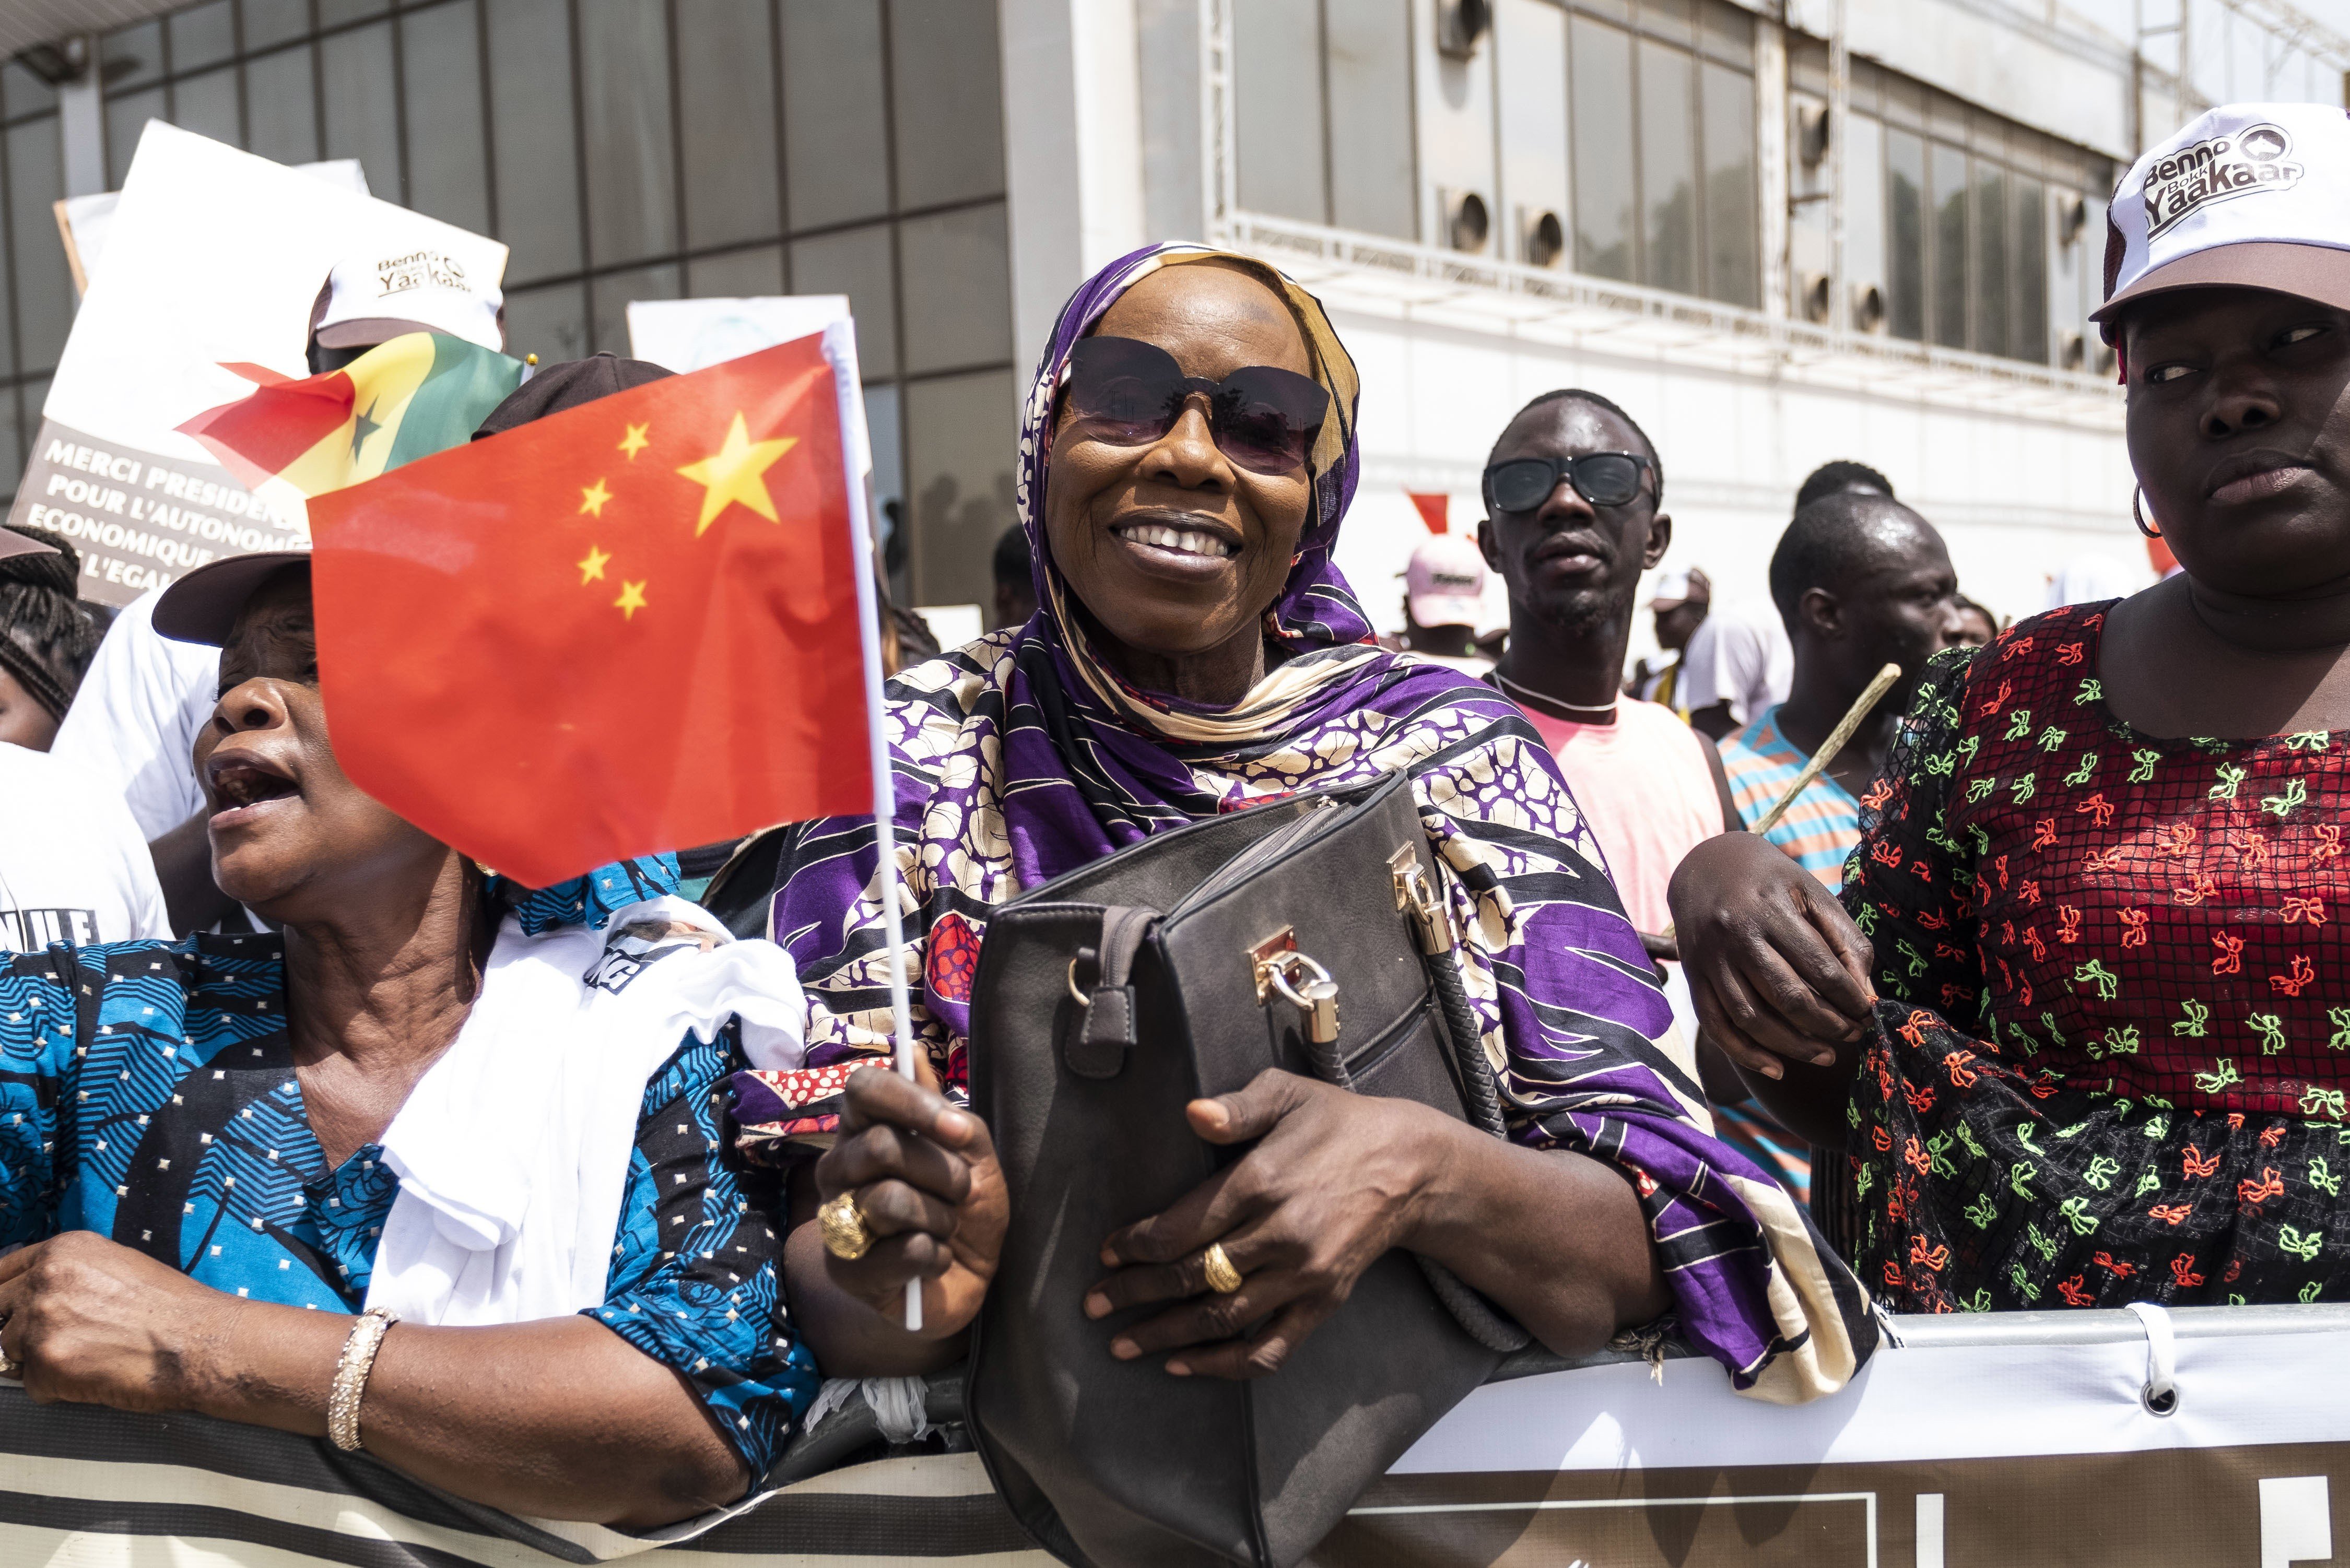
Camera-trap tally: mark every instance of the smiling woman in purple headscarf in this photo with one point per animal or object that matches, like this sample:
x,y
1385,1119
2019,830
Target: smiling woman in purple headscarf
x,y
1187,454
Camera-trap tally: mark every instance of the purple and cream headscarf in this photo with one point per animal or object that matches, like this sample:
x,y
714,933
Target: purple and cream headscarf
x,y
1024,756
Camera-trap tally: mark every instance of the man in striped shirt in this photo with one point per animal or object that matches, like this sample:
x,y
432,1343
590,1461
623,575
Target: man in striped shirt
x,y
1861,581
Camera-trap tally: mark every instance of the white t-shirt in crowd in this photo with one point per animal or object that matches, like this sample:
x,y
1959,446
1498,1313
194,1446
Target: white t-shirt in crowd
x,y
1741,655
74,866
134,722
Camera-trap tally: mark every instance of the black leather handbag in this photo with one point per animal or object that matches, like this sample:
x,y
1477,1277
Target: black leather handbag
x,y
1310,934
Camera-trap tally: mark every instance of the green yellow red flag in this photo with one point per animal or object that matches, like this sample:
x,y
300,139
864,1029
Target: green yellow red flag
x,y
401,400
629,627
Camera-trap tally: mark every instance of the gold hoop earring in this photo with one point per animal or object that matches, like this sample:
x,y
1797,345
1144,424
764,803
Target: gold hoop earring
x,y
2138,517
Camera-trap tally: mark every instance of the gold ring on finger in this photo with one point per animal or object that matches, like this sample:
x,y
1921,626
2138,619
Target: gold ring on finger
x,y
845,1236
1222,1278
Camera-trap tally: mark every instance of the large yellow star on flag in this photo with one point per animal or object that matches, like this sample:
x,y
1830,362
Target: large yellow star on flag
x,y
734,473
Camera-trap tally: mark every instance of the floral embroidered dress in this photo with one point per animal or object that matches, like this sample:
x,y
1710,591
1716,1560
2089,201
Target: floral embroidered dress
x,y
2111,1062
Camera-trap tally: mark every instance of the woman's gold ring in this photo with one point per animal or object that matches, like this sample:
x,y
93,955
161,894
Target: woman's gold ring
x,y
845,1234
1222,1278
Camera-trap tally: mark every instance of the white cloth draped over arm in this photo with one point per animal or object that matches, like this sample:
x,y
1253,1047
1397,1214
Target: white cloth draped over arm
x,y
513,1151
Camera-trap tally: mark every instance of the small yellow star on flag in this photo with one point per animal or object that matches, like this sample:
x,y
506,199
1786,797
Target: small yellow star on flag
x,y
592,498
636,441
733,472
631,599
592,570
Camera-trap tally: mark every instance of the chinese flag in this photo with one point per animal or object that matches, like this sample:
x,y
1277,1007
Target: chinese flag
x,y
625,627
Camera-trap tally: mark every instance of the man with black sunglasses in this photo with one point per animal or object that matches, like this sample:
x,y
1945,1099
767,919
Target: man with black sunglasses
x,y
1572,491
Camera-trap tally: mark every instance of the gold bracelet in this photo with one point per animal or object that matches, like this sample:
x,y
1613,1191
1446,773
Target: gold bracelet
x,y
352,1376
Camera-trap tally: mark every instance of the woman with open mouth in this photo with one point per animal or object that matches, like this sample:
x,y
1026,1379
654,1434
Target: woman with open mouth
x,y
433,1168
2078,1025
1188,455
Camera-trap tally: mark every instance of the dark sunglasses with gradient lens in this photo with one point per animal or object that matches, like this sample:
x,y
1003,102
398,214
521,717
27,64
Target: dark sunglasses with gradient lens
x,y
1602,478
1130,393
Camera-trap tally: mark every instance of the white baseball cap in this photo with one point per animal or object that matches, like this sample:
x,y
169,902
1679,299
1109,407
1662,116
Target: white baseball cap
x,y
1676,587
2254,195
375,295
1445,584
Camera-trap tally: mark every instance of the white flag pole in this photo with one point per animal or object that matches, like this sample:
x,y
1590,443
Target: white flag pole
x,y
841,350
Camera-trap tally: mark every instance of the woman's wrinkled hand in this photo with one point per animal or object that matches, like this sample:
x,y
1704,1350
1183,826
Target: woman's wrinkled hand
x,y
1334,1182
88,1320
1777,971
927,1185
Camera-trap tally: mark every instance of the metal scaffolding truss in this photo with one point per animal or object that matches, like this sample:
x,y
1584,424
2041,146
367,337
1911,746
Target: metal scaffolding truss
x,y
1414,282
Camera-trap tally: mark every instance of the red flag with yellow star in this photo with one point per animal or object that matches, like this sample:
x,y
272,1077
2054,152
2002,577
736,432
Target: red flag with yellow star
x,y
625,627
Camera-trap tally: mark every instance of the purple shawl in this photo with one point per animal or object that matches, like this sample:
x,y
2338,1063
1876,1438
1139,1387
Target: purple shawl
x,y
1020,756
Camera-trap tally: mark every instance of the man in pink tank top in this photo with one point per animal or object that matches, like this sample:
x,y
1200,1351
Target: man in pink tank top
x,y
1572,496
1573,492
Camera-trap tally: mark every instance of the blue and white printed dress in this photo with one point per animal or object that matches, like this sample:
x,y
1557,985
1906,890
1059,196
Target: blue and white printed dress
x,y
147,1093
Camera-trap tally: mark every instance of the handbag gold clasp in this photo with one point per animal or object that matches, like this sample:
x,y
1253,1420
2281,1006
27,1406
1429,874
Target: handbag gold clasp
x,y
1431,917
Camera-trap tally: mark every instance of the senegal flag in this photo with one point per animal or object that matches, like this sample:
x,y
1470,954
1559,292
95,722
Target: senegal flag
x,y
401,400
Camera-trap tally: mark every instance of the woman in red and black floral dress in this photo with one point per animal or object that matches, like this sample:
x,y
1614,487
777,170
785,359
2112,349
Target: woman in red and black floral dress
x,y
2083,1022
2106,1048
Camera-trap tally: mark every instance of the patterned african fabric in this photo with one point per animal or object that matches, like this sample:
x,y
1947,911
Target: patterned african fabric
x,y
1022,755
2109,1064
147,1093
1820,829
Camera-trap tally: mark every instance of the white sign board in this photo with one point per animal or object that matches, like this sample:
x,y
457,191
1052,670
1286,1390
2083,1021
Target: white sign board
x,y
685,335
212,256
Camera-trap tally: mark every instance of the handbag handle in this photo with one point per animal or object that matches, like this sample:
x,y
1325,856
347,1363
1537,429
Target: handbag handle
x,y
1098,1049
1439,942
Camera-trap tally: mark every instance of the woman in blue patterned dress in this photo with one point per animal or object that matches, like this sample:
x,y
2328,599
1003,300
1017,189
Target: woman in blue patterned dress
x,y
205,1172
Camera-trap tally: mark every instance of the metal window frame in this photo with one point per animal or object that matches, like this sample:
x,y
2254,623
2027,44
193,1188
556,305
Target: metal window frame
x,y
1418,281
683,254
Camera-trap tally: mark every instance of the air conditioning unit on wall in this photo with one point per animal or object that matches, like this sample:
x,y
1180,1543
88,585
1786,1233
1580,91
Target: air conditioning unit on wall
x,y
1542,238
1812,133
1867,308
1462,25
1812,298
1466,221
2072,217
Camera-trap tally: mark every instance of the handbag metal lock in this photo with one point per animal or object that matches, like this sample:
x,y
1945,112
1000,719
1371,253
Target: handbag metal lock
x,y
1296,979
1431,917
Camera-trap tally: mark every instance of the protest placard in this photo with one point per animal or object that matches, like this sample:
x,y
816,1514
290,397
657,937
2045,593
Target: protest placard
x,y
685,335
213,258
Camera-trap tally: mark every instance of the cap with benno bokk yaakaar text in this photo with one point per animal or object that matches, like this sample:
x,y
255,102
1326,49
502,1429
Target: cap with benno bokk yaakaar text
x,y
373,297
2254,195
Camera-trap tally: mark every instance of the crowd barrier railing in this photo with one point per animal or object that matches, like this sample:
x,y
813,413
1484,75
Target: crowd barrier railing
x,y
2207,1434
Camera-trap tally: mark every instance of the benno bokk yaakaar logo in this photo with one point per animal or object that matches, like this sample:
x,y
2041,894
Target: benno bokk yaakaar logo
x,y
2253,158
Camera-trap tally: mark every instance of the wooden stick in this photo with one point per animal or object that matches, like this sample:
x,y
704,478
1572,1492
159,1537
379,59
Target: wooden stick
x,y
1878,685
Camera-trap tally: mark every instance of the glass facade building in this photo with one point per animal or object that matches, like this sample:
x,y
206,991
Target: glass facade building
x,y
1640,120
36,296
629,150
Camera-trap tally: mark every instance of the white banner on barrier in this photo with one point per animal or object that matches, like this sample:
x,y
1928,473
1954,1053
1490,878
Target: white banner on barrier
x,y
1984,1442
